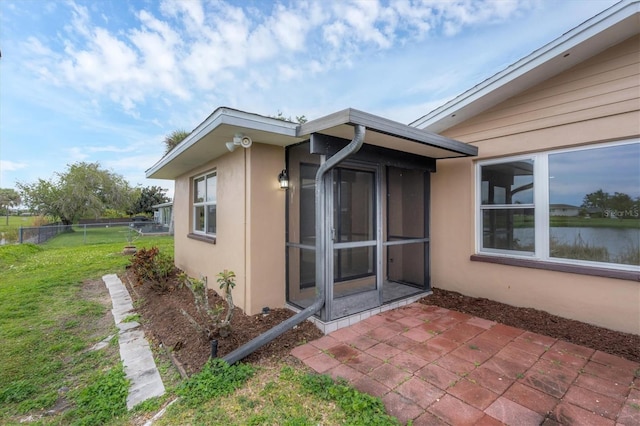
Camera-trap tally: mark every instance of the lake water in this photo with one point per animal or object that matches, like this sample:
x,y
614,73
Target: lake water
x,y
616,240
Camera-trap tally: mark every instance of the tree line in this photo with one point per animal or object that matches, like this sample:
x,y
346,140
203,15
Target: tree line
x,y
84,190
618,204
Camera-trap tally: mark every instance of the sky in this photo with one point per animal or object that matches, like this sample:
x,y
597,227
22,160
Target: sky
x,y
105,81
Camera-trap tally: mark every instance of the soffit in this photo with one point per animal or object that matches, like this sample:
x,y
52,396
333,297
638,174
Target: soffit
x,y
208,141
387,134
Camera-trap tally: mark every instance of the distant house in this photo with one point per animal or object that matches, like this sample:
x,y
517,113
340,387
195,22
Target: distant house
x,y
162,214
374,212
563,210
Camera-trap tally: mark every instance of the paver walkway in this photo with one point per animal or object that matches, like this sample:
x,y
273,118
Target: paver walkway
x,y
139,365
435,366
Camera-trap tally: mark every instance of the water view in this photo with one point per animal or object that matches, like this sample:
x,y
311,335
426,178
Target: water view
x,y
619,243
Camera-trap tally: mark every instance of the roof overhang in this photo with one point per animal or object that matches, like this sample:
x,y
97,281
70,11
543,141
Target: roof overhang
x,y
208,141
593,36
387,133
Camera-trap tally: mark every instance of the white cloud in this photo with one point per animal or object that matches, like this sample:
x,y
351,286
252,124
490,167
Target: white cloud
x,y
190,47
7,166
10,166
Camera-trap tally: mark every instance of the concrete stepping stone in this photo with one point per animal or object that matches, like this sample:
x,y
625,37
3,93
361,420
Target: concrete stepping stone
x,y
135,352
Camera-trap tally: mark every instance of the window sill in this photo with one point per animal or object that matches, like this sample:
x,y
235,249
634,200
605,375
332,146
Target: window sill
x,y
549,266
204,239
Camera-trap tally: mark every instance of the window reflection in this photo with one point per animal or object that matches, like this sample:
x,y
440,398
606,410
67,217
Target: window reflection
x,y
508,214
594,204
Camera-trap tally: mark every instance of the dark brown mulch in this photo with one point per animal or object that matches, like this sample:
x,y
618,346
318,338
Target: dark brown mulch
x,y
167,326
613,342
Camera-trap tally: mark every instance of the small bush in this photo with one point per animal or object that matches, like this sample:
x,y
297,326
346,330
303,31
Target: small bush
x,y
630,255
150,266
580,249
40,221
216,379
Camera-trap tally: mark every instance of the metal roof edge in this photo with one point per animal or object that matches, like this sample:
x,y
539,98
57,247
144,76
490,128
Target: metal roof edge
x,y
225,115
572,38
384,125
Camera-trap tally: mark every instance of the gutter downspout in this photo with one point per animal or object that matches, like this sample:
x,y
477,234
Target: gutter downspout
x,y
321,245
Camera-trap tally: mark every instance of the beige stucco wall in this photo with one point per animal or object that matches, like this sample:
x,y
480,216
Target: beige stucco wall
x,y
250,230
266,229
501,131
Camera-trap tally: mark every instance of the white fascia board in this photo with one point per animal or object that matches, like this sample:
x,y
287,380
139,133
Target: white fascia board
x,y
230,116
537,66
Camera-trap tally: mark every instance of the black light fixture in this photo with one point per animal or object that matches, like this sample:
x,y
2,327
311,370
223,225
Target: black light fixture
x,y
283,178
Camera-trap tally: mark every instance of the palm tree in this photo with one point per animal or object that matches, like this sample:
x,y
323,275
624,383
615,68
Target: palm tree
x,y
173,139
9,198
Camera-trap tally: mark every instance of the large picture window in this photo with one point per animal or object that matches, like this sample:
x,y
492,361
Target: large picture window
x,y
578,206
204,204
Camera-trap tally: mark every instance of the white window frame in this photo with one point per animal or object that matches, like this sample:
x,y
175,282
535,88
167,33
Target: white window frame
x,y
541,206
205,204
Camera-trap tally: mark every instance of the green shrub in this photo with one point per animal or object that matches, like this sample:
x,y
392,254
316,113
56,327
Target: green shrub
x,y
150,266
580,249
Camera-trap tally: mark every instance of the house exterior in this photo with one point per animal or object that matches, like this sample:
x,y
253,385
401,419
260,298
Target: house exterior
x,y
360,228
551,130
467,198
563,210
163,214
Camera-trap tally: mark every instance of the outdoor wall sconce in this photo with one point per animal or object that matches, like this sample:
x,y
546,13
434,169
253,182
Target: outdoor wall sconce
x,y
283,178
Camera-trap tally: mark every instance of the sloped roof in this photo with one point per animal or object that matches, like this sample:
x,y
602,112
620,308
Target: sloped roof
x,y
208,141
608,28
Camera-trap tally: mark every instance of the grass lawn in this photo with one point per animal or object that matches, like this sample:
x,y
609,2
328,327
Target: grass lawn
x,y
94,234
9,231
47,325
46,328
594,222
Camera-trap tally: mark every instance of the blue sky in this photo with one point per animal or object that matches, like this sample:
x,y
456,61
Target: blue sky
x,y
106,80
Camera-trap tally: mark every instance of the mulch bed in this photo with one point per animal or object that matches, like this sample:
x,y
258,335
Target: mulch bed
x,y
613,342
166,325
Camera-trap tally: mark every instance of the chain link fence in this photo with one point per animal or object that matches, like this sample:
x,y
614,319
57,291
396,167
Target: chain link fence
x,y
92,233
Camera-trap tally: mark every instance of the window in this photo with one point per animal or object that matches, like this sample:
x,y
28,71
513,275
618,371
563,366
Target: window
x,y
507,206
204,204
579,206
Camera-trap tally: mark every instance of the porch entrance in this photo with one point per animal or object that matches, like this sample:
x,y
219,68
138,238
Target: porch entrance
x,y
377,224
354,240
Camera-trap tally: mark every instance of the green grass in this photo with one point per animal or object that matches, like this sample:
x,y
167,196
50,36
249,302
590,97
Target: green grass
x,y
10,231
91,235
45,327
277,397
16,221
104,399
594,222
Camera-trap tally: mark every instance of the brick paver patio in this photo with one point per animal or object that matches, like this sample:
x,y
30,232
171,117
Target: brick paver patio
x,y
435,366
